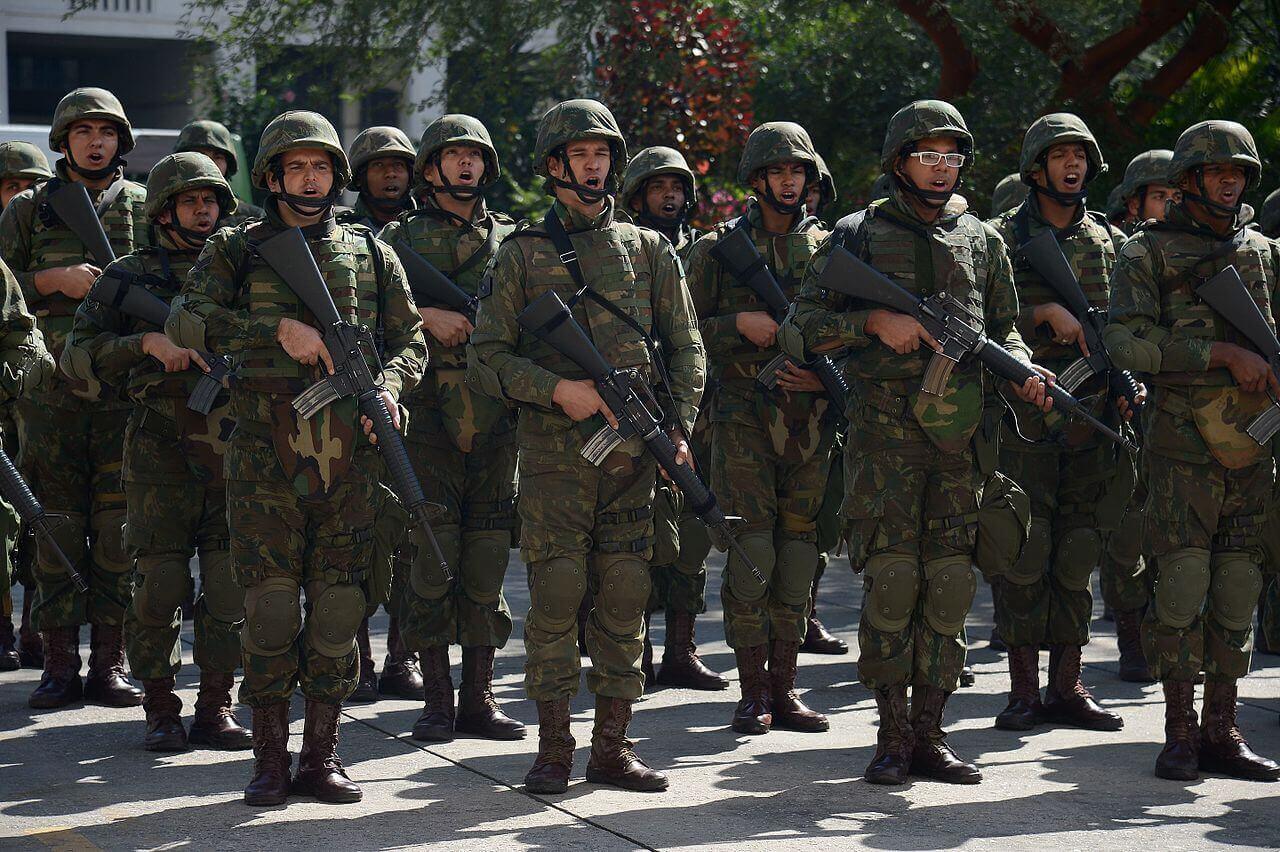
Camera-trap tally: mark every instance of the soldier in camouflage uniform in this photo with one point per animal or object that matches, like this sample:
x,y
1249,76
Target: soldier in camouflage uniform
x,y
821,192
172,465
1269,218
584,526
658,191
1208,482
302,495
770,448
1008,194
463,445
915,465
213,139
1067,470
22,165
71,440
382,159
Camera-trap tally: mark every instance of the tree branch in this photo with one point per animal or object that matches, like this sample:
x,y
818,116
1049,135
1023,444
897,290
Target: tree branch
x,y
1210,37
959,65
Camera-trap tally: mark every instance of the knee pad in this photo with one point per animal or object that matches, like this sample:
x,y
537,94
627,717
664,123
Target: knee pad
x,y
484,564
797,562
1031,565
1182,582
892,585
1236,584
272,617
624,591
161,583
556,587
695,546
108,542
426,577
69,535
333,617
223,597
1078,553
742,583
950,586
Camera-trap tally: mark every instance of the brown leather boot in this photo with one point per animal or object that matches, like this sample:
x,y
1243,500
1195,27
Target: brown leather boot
x,y
646,655
30,646
931,756
1066,701
366,691
551,768
10,660
895,739
817,639
478,711
400,676
1023,710
754,712
215,725
107,683
1178,760
164,716
1222,747
613,760
681,665
270,783
320,773
789,712
1133,662
60,684
435,725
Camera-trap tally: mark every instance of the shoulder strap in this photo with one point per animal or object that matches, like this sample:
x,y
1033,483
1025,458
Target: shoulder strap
x,y
1021,226
109,197
380,326
490,244
851,233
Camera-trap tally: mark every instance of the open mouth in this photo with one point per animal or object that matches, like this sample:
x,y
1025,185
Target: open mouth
x,y
465,176
1230,196
311,191
669,209
788,196
940,184
593,182
96,158
1072,180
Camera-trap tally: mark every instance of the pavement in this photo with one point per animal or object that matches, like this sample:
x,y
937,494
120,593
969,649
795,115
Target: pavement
x,y
79,779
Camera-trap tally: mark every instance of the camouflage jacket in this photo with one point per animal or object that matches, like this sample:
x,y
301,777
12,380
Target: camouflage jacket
x,y
25,363
360,214
245,212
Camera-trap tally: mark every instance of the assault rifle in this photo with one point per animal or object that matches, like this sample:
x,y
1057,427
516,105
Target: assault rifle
x,y
72,204
18,494
429,284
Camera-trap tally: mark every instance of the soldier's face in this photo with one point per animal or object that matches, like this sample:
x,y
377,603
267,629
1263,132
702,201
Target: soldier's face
x,y
939,177
1066,165
1223,183
219,158
460,165
92,143
197,210
1153,204
387,177
663,196
11,186
307,171
589,159
812,198
786,180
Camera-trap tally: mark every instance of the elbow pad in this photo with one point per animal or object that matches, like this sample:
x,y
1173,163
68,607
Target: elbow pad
x,y
186,327
1133,353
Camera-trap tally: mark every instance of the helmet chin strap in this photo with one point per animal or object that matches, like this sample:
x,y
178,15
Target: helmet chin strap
x,y
459,192
387,207
194,238
586,194
1213,208
934,199
93,174
304,205
1066,199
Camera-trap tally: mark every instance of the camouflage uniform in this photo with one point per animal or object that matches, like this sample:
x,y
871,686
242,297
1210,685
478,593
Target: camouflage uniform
x,y
72,441
204,133
371,144
1208,482
1269,218
1008,194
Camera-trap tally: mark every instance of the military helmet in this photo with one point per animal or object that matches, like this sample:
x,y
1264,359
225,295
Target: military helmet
x,y
1145,169
22,159
776,142
1269,218
1215,141
581,118
881,187
374,142
300,129
653,162
456,129
922,120
1056,129
204,133
86,103
1117,207
183,171
826,183
1008,194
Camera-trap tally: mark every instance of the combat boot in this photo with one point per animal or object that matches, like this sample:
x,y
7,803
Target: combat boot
x,y
320,773
401,676
30,646
817,639
1178,760
931,756
1023,710
366,691
967,677
10,661
681,665
164,716
435,725
1067,701
1222,747
613,760
1133,662
753,713
215,725
646,655
551,768
60,684
107,683
478,711
789,712
270,783
894,741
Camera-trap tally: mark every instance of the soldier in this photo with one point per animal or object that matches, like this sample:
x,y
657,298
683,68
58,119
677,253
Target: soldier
x,y
583,525
1116,211
1269,219
21,166
1208,482
658,191
463,445
770,448
214,141
913,473
381,159
172,465
1067,471
302,495
822,191
1145,193
1008,194
71,441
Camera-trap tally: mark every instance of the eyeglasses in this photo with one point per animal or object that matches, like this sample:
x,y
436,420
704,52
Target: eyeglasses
x,y
932,158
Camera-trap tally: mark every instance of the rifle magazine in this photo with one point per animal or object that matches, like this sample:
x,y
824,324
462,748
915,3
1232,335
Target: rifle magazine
x,y
1264,426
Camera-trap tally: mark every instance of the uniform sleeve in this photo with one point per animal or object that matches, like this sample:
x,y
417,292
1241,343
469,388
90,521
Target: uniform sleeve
x,y
405,350
818,317
102,344
677,326
719,333
1000,300
1134,330
15,242
204,315
24,360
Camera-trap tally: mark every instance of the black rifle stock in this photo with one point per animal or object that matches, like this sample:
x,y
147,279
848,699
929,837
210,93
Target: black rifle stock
x,y
288,254
18,494
737,253
429,284
957,330
72,204
631,400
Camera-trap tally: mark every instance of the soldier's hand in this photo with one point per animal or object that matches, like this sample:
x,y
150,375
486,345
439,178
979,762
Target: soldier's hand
x,y
1035,389
758,327
394,409
1126,408
1066,328
303,343
73,281
581,400
683,456
901,333
449,327
799,379
173,358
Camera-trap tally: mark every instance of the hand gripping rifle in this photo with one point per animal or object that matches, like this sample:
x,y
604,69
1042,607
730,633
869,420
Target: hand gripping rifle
x,y
738,255
957,330
1227,295
15,490
288,254
632,401
429,284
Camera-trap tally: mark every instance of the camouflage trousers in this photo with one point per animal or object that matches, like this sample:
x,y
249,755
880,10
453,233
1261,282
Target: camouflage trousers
x,y
173,516
1219,511
71,453
910,515
1126,582
1269,614
9,526
830,526
681,544
284,546
585,527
